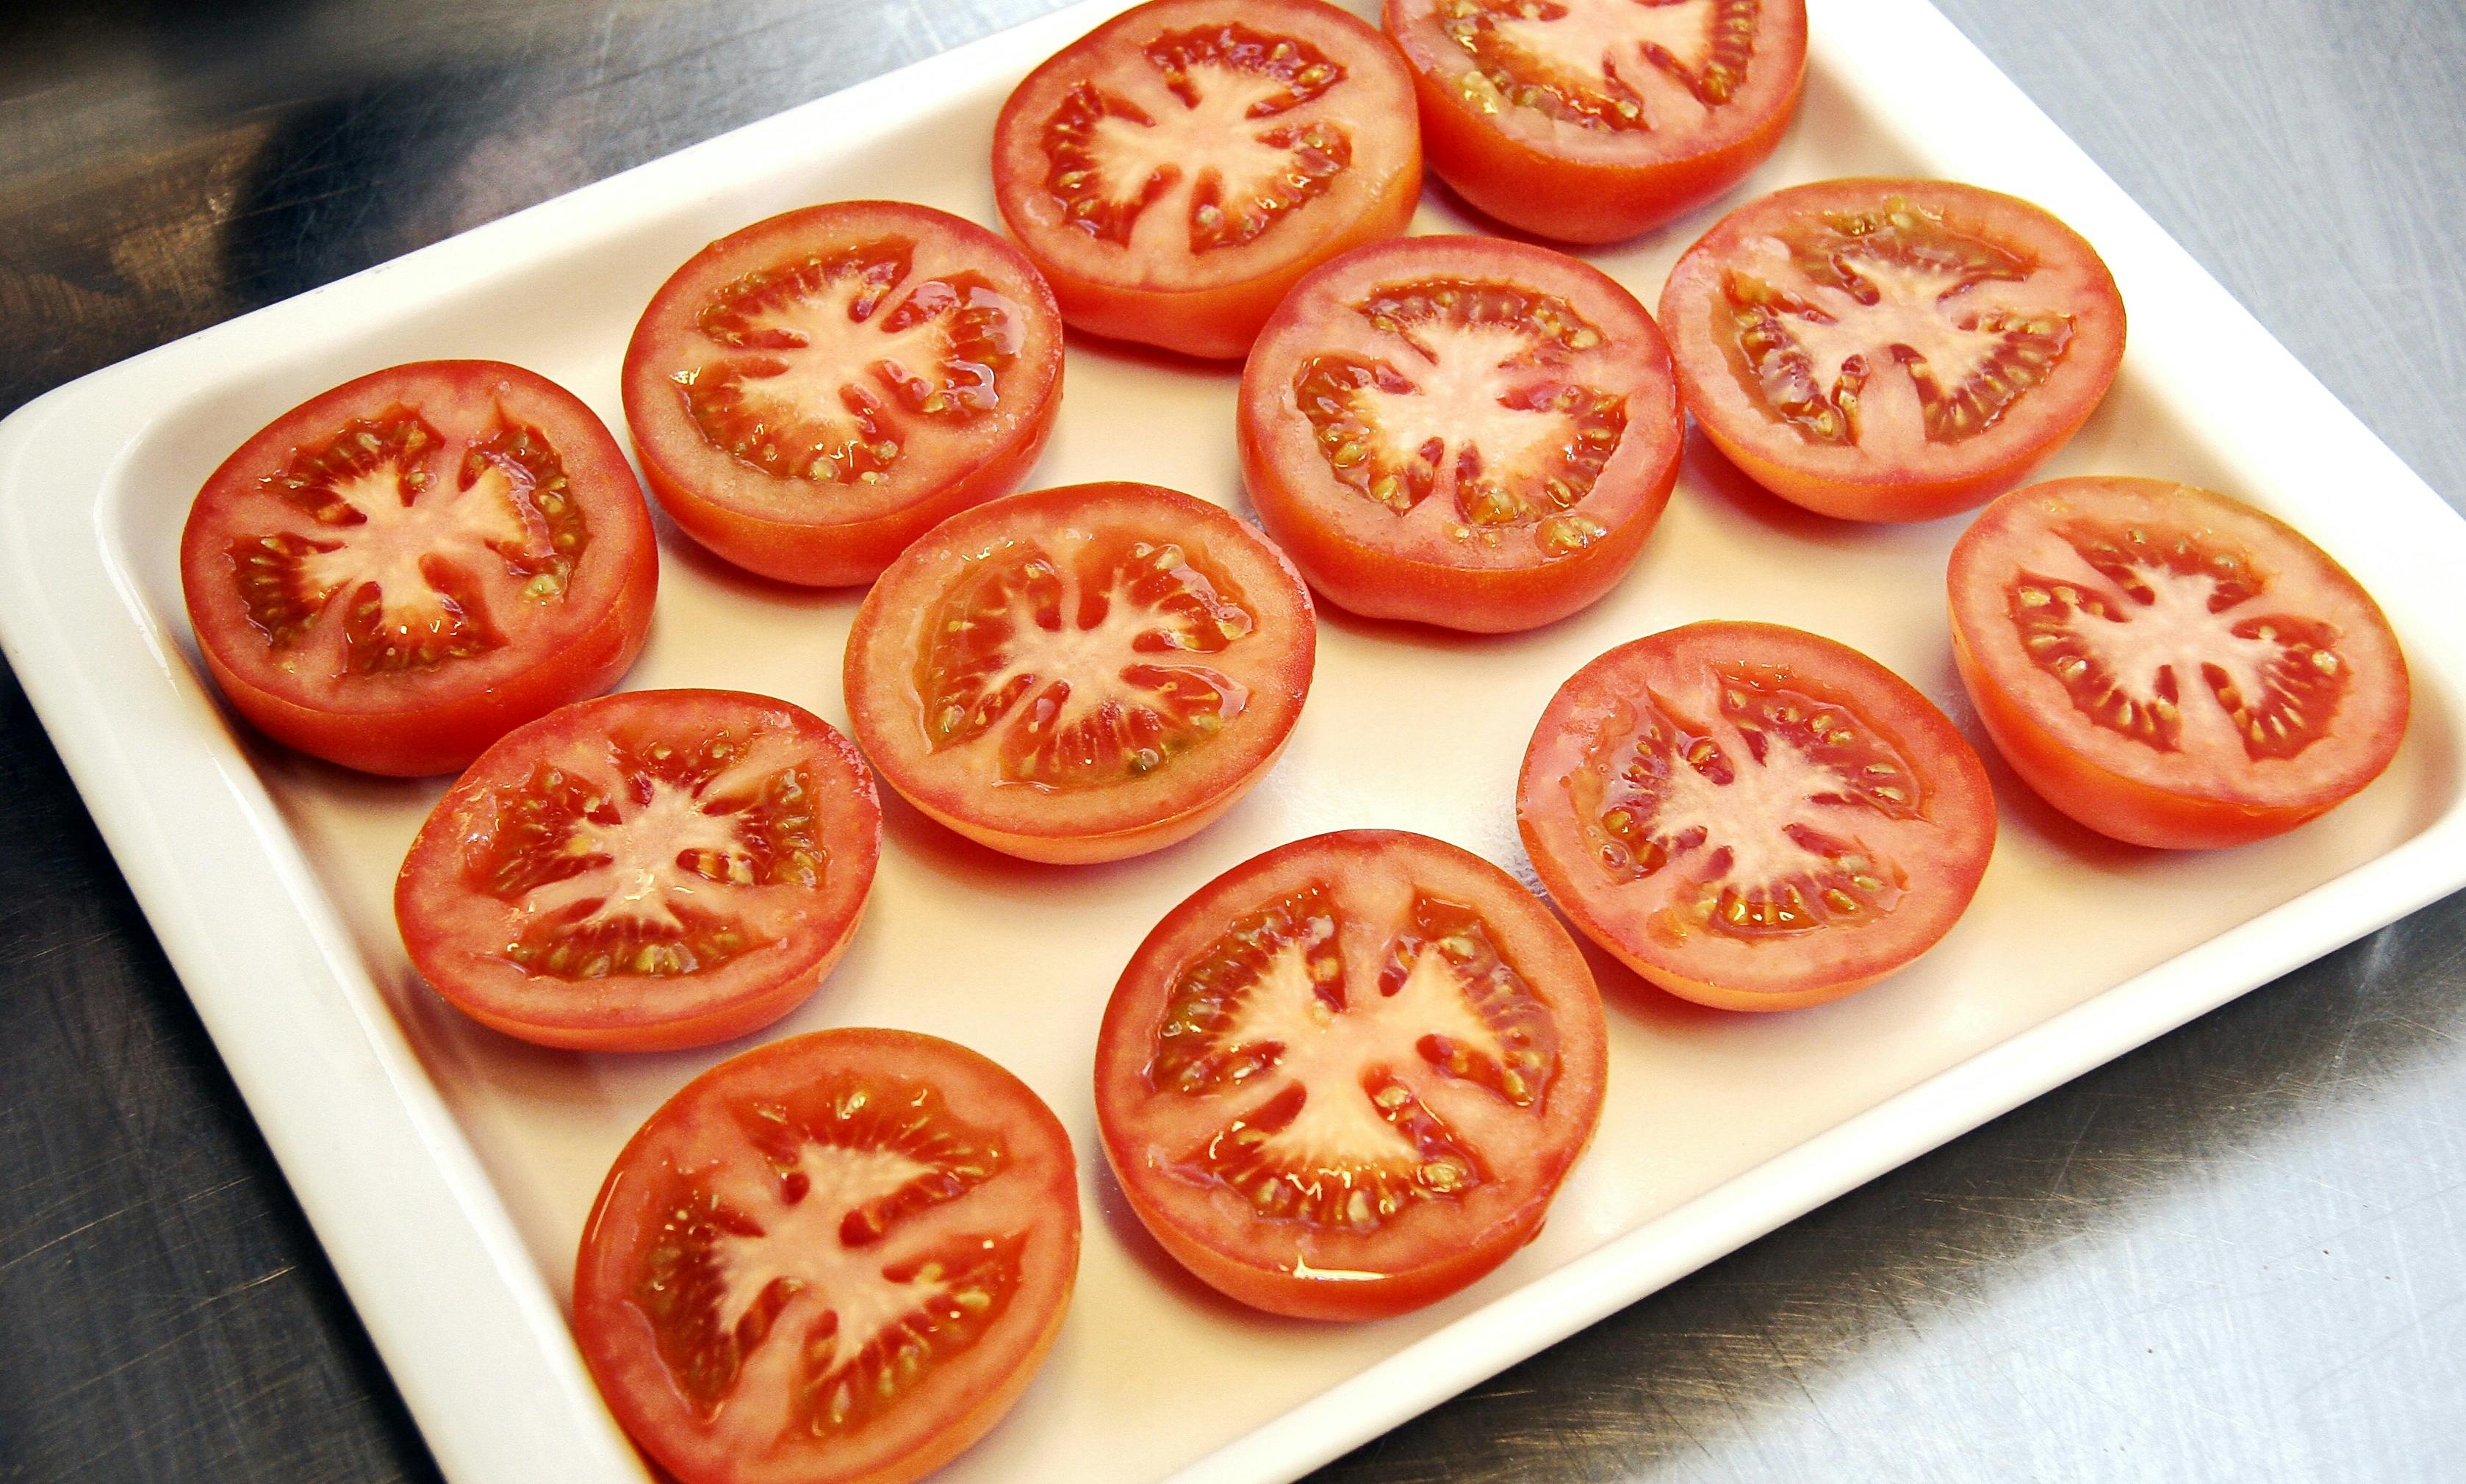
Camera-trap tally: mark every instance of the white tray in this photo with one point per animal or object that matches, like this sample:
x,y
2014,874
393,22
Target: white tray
x,y
448,1171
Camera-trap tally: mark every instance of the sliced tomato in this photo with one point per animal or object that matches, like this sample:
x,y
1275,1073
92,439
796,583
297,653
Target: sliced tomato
x,y
1752,816
1081,673
1891,349
394,573
1461,430
650,870
813,392
836,1260
1345,1078
1589,121
2170,666
1177,168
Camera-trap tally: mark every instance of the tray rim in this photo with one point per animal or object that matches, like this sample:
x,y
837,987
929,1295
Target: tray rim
x,y
520,1411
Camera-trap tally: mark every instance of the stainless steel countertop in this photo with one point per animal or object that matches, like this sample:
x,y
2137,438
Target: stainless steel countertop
x,y
2239,1252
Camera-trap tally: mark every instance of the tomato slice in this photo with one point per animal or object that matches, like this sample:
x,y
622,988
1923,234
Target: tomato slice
x,y
835,1259
1344,1078
650,870
396,572
1081,673
1891,349
813,392
2170,666
1461,430
1752,816
1177,168
1589,121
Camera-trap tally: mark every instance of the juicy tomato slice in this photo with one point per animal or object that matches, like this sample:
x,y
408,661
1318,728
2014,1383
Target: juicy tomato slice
x,y
1345,1078
1461,430
1589,121
1752,816
396,572
1891,349
835,1259
1081,673
2170,666
650,870
813,392
1177,168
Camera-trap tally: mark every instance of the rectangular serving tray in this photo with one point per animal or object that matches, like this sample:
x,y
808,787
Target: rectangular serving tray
x,y
447,1170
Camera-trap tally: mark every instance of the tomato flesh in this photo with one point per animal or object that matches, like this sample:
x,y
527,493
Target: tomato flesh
x,y
835,1258
651,870
1891,350
1753,817
394,573
1590,120
2170,666
1175,169
1112,160
812,393
1460,432
1081,673
1345,1078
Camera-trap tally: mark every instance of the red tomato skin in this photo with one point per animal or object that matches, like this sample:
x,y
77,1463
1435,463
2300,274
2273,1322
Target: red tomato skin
x,y
2125,809
437,738
1896,494
1967,778
1570,201
1582,1073
626,1026
849,553
609,1333
1217,322
874,716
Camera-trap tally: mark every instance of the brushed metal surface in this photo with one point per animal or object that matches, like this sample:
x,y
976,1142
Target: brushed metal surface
x,y
2238,1252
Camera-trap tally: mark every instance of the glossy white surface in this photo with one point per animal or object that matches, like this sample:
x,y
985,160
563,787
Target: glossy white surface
x,y
448,1169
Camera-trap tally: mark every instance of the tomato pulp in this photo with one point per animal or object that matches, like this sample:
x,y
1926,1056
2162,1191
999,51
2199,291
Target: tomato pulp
x,y
1459,431
2170,666
835,1259
1891,349
646,871
396,572
1081,673
1590,120
813,392
1753,817
1345,1078
1177,168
